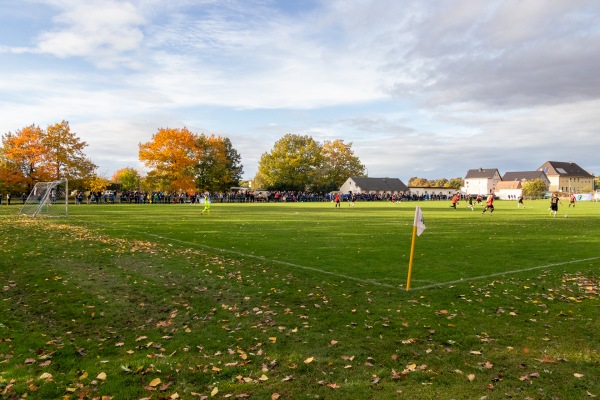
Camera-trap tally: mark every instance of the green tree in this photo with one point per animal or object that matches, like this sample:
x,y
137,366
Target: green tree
x,y
534,188
292,164
456,183
219,166
339,163
128,178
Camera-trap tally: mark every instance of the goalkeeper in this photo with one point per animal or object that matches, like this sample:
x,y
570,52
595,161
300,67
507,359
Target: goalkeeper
x,y
206,204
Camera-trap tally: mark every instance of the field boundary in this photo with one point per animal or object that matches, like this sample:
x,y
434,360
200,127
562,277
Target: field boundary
x,y
516,271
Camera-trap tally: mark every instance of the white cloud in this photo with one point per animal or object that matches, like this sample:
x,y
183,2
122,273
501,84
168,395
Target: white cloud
x,y
101,31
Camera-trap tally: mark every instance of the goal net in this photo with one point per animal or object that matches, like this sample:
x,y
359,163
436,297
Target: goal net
x,y
48,199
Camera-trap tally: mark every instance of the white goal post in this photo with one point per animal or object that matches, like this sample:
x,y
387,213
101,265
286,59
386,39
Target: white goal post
x,y
50,199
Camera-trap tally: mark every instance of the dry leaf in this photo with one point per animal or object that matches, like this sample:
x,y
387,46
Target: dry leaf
x,y
214,392
154,382
46,376
309,360
101,376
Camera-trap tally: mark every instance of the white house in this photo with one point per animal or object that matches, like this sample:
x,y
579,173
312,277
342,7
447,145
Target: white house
x,y
508,190
481,181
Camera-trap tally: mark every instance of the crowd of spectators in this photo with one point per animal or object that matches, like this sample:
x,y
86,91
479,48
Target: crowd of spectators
x,y
249,196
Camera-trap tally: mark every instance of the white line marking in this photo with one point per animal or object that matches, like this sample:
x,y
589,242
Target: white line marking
x,y
288,264
516,271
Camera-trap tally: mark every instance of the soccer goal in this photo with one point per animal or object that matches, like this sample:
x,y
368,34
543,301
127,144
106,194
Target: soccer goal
x,y
49,199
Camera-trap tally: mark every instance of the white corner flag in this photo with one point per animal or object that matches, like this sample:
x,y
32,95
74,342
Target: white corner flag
x,y
419,223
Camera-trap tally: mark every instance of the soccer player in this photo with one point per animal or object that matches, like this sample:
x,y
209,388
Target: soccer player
x,y
554,204
206,204
489,204
455,201
520,202
470,202
572,200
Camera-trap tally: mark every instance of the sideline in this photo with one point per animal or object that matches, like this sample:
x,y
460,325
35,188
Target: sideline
x,y
516,271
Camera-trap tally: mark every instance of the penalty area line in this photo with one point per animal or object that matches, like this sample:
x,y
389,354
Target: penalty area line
x,y
516,271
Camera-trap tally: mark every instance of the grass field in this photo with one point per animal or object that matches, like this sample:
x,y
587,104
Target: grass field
x,y
302,301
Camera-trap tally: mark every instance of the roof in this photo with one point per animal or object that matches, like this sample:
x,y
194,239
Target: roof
x,y
564,169
482,173
508,185
524,176
379,184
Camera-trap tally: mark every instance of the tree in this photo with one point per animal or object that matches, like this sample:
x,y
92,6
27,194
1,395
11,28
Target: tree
x,y
180,159
456,183
234,164
339,163
418,182
442,182
65,155
292,164
128,178
218,166
25,156
172,158
534,188
98,184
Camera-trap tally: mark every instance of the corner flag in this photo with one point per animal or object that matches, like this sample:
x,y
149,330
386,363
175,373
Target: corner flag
x,y
419,222
418,228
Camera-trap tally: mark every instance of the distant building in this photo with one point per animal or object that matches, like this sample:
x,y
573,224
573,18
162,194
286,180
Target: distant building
x,y
524,176
481,181
508,190
567,177
378,186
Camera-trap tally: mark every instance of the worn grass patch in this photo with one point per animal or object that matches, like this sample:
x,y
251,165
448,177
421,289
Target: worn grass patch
x,y
299,301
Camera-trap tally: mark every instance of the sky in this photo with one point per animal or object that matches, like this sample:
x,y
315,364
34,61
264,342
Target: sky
x,y
420,88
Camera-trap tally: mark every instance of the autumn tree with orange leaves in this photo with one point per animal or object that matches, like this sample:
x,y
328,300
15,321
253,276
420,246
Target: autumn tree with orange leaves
x,y
32,154
180,159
